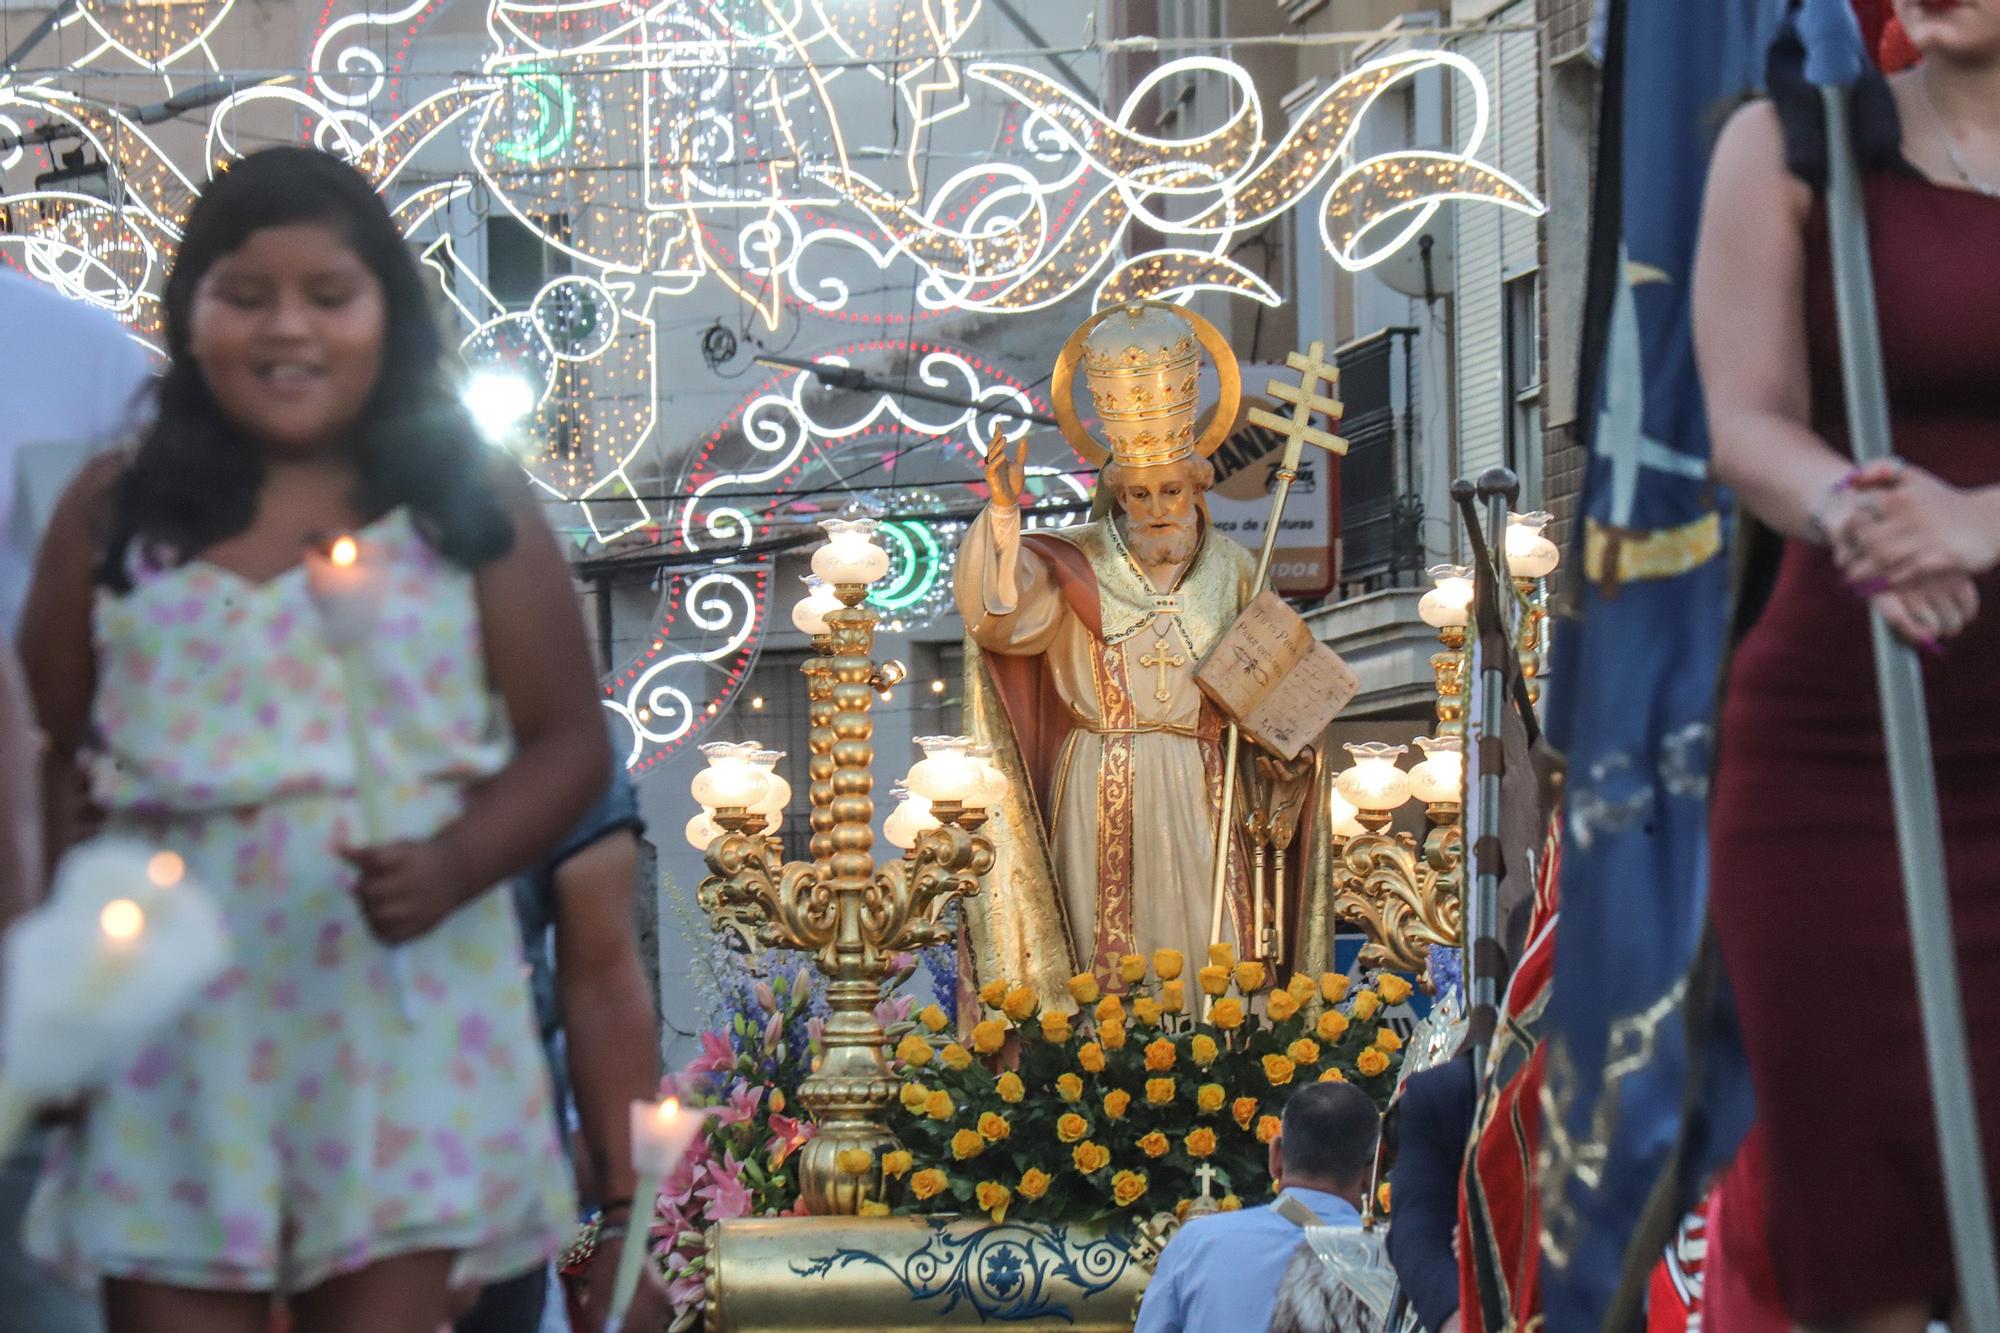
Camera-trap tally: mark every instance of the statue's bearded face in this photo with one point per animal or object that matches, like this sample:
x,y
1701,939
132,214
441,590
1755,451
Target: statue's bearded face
x,y
1159,512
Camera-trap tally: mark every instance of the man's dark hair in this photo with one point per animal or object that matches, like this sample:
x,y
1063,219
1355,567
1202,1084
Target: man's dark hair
x,y
1330,1130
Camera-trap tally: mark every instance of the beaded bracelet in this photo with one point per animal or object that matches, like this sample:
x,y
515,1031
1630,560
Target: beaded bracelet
x,y
1816,519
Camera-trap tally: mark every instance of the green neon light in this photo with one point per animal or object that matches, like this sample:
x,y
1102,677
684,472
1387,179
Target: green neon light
x,y
917,571
555,124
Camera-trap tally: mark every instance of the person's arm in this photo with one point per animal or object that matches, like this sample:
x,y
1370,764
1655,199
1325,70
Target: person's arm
x,y
20,801
1435,1121
1005,593
539,660
1750,341
1163,1308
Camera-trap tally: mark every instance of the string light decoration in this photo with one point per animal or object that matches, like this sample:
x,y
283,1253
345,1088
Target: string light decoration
x,y
154,33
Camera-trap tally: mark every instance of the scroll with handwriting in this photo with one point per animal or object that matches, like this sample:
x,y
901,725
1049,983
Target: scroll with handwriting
x,y
1269,675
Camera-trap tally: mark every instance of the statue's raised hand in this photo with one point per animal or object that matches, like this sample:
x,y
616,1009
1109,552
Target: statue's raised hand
x,y
1006,478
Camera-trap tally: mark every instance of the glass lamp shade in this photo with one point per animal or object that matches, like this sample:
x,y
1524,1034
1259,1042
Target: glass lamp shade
x,y
731,781
702,830
779,793
1374,783
850,554
947,772
1441,775
1341,812
992,782
809,615
1530,555
1448,604
908,821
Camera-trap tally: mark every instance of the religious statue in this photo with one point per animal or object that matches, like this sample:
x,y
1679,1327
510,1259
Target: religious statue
x,y
1082,645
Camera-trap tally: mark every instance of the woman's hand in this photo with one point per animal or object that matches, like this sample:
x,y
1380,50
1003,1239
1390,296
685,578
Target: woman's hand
x,y
407,888
1929,611
1899,526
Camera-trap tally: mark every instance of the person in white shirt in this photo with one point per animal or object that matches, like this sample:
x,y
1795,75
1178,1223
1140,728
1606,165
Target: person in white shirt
x,y
70,384
1222,1272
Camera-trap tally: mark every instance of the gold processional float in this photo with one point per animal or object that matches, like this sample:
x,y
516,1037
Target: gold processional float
x,y
836,1269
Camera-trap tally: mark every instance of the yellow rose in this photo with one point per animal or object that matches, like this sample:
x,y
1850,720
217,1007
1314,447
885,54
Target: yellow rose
x,y
1333,1075
955,1056
1091,1056
992,993
1128,1187
934,1018
1222,956
896,1165
1083,988
1112,1036
1090,1158
1227,1014
1116,1103
1304,1051
1332,987
1019,1003
1366,1003
988,1036
1371,1062
874,1208
914,1096
1280,1005
1159,1055
1111,1009
1213,980
777,1102
967,1143
1394,989
1167,963
1203,1050
928,1183
1173,996
1382,1196
1159,1091
1069,1087
994,1198
1209,1097
1230,1203
1154,1144
853,1161
1332,1025
1249,977
1034,1184
993,1126
938,1105
1388,1042
1278,1070
1200,1142
1071,1127
1132,969
1243,1108
1147,1011
1055,1027
914,1051
1010,1087
1301,988
1267,1128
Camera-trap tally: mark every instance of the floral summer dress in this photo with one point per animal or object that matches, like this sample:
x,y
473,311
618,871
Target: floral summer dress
x,y
294,1125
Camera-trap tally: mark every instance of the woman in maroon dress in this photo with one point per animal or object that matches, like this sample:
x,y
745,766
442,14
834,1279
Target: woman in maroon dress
x,y
1805,880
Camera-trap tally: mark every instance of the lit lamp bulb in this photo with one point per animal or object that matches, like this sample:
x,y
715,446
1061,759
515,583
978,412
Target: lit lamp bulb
x,y
731,781
779,793
1440,778
1448,605
1374,785
1530,555
343,553
992,782
809,616
850,555
908,821
947,773
1341,812
497,401
122,921
702,830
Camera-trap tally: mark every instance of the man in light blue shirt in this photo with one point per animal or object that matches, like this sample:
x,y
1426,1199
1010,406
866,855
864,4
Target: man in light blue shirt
x,y
1220,1273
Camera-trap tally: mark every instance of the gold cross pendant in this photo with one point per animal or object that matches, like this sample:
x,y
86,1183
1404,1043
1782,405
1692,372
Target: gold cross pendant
x,y
1159,658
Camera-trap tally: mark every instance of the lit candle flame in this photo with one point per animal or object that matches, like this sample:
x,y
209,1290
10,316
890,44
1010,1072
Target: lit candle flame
x,y
165,869
122,919
668,1109
343,552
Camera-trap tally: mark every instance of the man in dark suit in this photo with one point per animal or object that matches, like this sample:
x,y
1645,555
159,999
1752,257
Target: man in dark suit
x,y
1432,1123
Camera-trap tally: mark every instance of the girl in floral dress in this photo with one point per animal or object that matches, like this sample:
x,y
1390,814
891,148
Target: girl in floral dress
x,y
356,1114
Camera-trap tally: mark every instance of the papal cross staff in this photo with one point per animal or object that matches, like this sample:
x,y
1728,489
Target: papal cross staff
x,y
1297,428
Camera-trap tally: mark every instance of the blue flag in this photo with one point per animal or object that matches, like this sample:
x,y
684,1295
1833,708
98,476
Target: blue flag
x,y
1634,697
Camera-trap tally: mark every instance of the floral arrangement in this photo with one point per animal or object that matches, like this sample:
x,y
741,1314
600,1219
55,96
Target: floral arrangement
x,y
1118,1108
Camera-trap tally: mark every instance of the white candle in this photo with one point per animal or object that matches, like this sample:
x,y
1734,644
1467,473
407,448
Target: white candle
x,y
661,1132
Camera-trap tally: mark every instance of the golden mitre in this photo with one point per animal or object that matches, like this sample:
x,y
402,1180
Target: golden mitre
x,y
1142,363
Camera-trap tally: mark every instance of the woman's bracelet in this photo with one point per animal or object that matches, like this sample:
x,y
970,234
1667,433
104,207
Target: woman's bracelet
x,y
1816,518
609,1205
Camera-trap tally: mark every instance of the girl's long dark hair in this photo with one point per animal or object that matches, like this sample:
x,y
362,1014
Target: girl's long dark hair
x,y
194,478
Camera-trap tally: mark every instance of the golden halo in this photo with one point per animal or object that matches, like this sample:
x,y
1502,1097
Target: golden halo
x,y
1062,385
